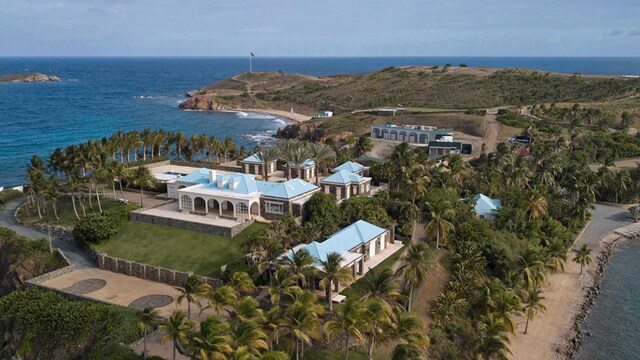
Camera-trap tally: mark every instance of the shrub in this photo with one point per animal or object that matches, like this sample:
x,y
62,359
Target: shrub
x,y
96,228
515,120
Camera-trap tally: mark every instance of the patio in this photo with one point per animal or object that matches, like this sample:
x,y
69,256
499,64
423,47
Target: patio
x,y
172,211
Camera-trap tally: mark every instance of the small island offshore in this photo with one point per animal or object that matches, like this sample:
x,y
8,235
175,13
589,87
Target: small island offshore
x,y
32,77
443,212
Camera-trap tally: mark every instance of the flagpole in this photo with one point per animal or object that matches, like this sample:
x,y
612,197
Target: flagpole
x,y
250,69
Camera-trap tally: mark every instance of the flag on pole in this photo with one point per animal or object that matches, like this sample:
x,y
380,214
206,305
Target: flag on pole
x,y
252,54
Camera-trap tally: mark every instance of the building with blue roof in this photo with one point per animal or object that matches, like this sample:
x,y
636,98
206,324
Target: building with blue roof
x,y
254,165
485,207
354,167
356,244
307,170
240,196
344,184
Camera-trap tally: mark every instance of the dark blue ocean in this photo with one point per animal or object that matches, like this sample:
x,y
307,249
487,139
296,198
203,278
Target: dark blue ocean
x,y
99,96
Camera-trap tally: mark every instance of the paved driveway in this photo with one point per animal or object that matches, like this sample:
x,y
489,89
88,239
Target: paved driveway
x,y
604,219
75,255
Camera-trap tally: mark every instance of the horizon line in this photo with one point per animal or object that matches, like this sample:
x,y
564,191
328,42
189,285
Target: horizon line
x,y
319,57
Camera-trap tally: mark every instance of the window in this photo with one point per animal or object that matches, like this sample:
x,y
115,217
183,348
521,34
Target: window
x,y
187,204
274,207
326,189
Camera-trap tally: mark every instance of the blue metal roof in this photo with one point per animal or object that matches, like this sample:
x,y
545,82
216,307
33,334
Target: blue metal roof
x,y
200,176
253,159
486,205
237,183
306,163
343,177
358,233
350,166
285,190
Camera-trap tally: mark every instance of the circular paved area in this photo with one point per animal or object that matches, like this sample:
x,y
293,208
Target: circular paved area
x,y
86,286
151,301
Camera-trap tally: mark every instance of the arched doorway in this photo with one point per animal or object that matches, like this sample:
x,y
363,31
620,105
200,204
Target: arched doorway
x,y
227,208
422,139
394,135
214,206
255,209
199,205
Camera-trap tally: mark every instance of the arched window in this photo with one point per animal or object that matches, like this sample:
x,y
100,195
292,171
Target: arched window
x,y
187,204
242,210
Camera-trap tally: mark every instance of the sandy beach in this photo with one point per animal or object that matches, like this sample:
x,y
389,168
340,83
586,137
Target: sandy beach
x,y
551,334
296,117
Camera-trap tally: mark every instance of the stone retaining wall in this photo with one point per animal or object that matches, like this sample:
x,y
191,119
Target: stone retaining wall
x,y
147,272
188,225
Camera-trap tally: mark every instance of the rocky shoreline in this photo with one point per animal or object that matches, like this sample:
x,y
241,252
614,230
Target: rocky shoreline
x,y
569,349
33,77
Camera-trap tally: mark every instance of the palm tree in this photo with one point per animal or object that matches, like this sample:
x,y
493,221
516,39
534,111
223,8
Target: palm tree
x,y
409,329
147,320
493,343
320,153
532,304
439,225
532,267
349,322
245,309
334,273
407,352
142,177
583,256
272,322
414,269
267,156
229,146
248,340
535,206
179,139
383,286
283,284
53,191
417,181
213,341
220,297
193,288
242,282
301,322
296,158
176,329
377,321
300,265
362,146
621,182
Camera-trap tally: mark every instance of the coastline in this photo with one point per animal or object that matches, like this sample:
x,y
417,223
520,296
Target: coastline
x,y
286,115
569,297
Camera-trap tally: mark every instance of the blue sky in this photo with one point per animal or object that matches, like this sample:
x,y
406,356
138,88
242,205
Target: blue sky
x,y
320,27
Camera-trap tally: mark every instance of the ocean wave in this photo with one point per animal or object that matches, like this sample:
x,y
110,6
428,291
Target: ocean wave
x,y
254,115
150,97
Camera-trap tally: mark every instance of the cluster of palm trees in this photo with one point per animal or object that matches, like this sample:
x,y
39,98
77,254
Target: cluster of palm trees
x,y
134,146
295,153
240,328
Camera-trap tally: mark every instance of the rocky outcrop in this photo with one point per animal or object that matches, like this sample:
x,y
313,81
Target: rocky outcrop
x,y
22,259
34,77
204,102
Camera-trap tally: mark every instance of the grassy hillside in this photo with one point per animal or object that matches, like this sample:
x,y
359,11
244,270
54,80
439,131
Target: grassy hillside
x,y
415,86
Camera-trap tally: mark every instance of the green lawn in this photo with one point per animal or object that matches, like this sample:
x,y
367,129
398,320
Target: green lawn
x,y
178,249
357,289
65,211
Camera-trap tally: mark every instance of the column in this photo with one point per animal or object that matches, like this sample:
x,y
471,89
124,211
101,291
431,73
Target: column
x,y
353,270
361,266
206,206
